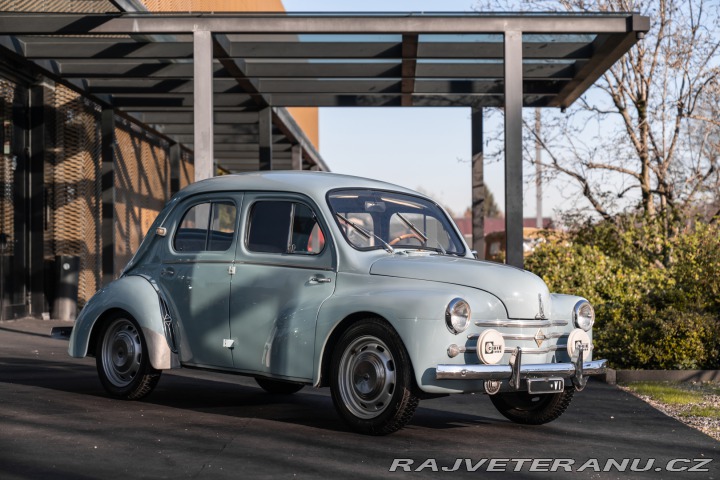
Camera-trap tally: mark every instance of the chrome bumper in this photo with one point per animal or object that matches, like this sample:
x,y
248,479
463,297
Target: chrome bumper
x,y
515,371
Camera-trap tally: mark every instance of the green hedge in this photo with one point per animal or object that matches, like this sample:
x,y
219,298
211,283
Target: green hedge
x,y
656,295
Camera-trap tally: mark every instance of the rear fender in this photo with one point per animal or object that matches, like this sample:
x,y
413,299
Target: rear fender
x,y
137,296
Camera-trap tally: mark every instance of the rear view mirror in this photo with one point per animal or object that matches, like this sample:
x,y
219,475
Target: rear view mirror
x,y
373,206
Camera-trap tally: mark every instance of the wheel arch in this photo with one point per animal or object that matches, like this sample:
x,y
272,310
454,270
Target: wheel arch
x,y
336,334
132,295
100,325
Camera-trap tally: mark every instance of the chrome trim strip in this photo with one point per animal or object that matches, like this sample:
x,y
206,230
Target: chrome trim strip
x,y
522,323
504,372
455,350
284,265
532,351
242,262
195,260
547,336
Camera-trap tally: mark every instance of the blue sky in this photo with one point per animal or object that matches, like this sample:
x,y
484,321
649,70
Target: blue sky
x,y
426,148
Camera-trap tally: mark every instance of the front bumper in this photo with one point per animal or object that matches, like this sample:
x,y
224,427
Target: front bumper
x,y
515,372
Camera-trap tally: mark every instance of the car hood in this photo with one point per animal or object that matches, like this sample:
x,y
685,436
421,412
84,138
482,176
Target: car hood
x,y
520,291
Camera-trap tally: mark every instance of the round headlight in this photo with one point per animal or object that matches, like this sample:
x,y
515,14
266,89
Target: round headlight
x,y
457,315
583,315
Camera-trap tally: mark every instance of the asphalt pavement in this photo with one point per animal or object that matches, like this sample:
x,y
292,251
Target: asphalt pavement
x,y
57,422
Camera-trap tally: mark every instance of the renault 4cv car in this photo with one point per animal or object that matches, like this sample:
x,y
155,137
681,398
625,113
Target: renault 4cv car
x,y
308,278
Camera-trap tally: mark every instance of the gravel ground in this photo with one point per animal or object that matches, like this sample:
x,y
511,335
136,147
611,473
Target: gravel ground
x,y
708,425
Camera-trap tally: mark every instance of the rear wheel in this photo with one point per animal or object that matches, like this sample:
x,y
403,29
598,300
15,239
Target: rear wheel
x,y
278,386
532,409
371,379
122,361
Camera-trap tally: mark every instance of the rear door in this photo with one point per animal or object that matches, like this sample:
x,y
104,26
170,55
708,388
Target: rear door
x,y
195,275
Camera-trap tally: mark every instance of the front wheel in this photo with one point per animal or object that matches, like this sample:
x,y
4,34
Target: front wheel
x,y
532,409
371,379
122,360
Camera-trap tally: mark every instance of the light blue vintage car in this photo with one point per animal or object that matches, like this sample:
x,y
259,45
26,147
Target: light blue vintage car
x,y
308,278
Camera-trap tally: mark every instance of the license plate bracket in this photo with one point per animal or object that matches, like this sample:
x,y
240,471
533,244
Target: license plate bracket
x,y
546,385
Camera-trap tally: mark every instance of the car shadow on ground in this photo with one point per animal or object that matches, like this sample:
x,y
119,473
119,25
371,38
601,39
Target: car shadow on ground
x,y
228,395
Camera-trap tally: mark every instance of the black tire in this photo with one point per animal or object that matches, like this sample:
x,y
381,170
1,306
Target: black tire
x,y
122,361
278,387
527,409
371,379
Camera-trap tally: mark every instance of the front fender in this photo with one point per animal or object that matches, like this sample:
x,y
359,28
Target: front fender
x,y
414,308
136,296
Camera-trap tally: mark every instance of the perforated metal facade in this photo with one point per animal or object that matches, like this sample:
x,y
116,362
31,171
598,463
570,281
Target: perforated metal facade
x,y
7,169
142,186
76,208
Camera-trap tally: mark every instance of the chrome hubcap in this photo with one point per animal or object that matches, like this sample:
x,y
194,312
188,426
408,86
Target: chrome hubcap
x,y
121,352
367,377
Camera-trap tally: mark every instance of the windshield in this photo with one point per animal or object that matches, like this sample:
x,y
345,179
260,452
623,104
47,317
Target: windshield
x,y
373,219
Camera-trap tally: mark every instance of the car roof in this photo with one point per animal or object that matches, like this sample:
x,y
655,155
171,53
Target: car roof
x,y
312,184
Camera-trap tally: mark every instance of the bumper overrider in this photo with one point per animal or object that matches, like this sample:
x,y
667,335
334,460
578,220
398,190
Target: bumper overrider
x,y
518,374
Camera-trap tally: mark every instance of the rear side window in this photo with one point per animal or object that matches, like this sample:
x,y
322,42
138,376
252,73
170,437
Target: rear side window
x,y
206,227
284,227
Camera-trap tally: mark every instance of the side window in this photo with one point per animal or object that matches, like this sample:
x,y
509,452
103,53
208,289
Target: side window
x,y
284,227
306,234
269,227
206,227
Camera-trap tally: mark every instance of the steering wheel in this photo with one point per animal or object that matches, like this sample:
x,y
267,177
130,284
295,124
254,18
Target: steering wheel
x,y
405,236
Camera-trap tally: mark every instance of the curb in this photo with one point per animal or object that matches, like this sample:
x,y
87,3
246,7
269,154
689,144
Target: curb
x,y
613,377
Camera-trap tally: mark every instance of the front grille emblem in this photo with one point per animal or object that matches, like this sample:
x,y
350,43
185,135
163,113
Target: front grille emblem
x,y
540,338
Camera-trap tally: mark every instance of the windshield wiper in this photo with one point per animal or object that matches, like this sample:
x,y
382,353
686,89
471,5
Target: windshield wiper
x,y
365,233
420,233
412,227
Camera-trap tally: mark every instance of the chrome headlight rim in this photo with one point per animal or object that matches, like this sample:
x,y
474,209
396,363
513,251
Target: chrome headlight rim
x,y
457,315
583,315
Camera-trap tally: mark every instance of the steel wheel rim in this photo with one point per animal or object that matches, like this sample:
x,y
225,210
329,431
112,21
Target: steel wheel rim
x,y
367,377
121,353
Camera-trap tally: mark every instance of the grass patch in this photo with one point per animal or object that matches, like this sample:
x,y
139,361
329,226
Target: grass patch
x,y
706,412
669,393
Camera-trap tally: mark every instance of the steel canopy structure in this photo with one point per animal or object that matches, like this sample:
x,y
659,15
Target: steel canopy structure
x,y
218,83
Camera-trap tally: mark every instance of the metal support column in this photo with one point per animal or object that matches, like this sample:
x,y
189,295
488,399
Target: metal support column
x,y
203,140
265,138
38,95
174,168
107,233
297,157
538,171
478,183
513,149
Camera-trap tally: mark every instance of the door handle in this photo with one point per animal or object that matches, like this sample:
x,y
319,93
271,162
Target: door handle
x,y
167,272
315,280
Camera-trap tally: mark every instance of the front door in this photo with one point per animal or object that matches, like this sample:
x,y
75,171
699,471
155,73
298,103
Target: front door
x,y
284,272
196,272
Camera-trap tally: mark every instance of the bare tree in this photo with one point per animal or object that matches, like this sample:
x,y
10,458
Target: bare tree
x,y
646,135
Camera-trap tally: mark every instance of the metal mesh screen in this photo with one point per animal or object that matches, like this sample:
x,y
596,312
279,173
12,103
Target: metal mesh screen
x,y
142,186
76,196
7,168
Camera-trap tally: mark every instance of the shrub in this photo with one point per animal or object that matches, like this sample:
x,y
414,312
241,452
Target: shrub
x,y
656,296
